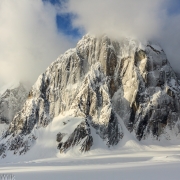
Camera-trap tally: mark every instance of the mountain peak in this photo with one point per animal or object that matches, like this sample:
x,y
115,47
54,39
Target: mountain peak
x,y
109,86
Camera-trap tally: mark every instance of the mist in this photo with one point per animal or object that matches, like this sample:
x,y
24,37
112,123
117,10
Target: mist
x,y
29,39
141,19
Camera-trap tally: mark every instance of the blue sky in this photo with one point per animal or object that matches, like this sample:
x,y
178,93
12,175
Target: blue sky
x,y
174,7
64,22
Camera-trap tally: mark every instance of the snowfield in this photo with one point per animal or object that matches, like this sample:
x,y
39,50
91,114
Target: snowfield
x,y
126,164
130,160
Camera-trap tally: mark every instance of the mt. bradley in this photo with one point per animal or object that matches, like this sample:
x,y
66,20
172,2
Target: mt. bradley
x,y
97,94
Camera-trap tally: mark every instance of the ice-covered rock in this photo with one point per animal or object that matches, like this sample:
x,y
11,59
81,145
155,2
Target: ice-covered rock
x,y
11,101
103,79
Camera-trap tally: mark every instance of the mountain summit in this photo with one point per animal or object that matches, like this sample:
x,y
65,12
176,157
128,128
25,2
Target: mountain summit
x,y
106,87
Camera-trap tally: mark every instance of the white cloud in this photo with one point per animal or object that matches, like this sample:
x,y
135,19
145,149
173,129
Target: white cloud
x,y
117,17
29,39
143,19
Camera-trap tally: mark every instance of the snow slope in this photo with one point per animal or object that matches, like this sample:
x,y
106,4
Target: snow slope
x,y
46,144
129,160
155,163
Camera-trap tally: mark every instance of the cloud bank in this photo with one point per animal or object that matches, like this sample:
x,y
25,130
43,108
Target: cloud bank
x,y
29,39
142,19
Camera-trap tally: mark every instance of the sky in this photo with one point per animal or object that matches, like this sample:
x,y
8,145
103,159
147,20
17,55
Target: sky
x,y
30,39
33,33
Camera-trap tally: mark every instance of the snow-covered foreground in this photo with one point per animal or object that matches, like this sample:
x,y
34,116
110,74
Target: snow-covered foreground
x,y
157,163
129,160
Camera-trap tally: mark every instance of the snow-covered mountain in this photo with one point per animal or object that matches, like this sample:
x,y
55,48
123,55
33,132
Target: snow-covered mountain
x,y
100,86
12,98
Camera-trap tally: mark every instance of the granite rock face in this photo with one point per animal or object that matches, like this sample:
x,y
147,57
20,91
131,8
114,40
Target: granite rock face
x,y
103,80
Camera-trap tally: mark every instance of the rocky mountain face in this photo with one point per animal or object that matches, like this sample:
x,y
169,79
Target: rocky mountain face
x,y
101,80
11,101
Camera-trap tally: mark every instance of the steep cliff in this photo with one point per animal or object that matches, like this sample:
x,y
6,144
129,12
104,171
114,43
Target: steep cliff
x,y
101,80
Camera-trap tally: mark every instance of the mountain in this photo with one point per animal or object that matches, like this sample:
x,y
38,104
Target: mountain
x,y
12,98
103,88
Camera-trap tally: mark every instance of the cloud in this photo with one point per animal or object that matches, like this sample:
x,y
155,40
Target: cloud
x,y
142,19
125,18
169,38
29,39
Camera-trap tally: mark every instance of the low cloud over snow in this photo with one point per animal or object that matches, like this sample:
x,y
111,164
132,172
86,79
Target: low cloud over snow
x,y
29,39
